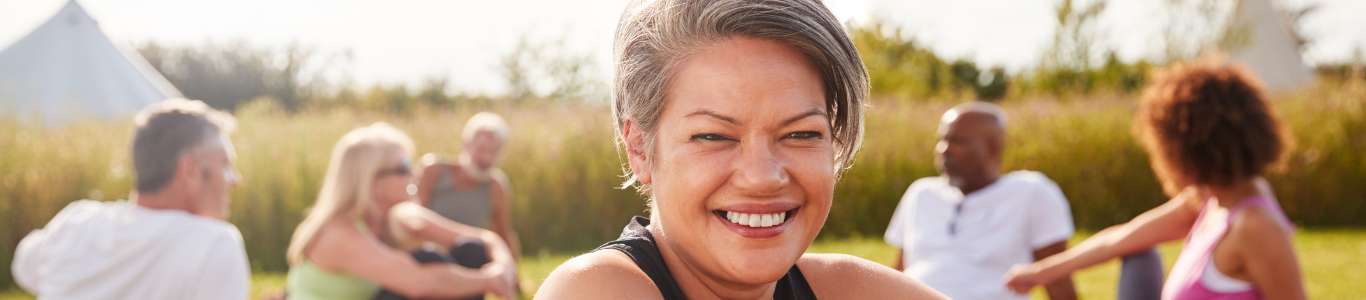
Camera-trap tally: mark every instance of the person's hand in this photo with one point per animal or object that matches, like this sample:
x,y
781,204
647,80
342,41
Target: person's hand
x,y
502,280
1022,278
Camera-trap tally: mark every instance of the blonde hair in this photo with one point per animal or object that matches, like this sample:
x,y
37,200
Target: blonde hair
x,y
654,36
486,122
346,192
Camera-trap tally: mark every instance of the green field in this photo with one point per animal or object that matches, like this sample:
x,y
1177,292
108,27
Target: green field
x,y
1331,261
564,165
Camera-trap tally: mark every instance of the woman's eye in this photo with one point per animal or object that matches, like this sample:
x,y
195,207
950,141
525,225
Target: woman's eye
x,y
709,137
805,135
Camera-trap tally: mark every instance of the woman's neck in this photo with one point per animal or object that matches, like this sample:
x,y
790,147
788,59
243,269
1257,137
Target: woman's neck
x,y
1231,195
695,283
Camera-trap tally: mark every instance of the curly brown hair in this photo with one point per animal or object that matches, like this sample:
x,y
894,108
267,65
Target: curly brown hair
x,y
1208,122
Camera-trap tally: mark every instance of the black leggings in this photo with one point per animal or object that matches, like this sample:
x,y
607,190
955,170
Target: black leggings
x,y
470,254
1140,276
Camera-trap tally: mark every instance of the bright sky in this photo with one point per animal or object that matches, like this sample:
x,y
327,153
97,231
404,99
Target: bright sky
x,y
409,41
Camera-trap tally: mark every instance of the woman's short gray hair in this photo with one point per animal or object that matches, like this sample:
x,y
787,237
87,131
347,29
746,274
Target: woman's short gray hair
x,y
655,36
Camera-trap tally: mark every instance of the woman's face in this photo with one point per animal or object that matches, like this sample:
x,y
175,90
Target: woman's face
x,y
744,135
393,181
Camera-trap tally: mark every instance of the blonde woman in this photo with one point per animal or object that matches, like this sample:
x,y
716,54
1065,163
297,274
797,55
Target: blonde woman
x,y
356,238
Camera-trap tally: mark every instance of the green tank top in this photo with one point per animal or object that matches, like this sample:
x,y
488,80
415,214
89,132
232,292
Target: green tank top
x,y
307,282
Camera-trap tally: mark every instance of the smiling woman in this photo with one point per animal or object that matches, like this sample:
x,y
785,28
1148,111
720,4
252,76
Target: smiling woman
x,y
738,118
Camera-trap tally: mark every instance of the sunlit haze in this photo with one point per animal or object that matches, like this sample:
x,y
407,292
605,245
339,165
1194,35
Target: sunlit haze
x,y
409,41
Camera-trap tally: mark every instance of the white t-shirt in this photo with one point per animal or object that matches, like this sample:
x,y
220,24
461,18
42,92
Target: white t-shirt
x,y
996,227
117,250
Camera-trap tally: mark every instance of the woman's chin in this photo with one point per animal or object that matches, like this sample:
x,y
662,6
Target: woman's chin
x,y
758,267
756,263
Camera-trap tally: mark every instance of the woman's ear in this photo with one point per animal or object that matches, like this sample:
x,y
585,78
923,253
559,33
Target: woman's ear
x,y
636,152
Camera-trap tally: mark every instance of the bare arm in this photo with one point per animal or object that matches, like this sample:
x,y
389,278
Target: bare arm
x,y
501,220
1062,288
1167,222
341,247
431,174
425,224
1268,254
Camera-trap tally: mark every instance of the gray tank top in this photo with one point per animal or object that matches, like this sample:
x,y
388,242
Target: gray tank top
x,y
470,207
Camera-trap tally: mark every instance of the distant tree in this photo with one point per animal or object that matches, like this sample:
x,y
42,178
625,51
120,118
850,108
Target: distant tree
x,y
1077,39
226,76
549,70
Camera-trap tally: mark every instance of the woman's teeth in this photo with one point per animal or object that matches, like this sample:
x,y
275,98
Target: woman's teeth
x,y
756,220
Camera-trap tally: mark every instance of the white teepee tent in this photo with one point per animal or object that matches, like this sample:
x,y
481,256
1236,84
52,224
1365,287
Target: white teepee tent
x,y
1269,45
67,69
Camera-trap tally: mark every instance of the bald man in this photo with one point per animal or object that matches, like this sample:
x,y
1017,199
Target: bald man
x,y
961,232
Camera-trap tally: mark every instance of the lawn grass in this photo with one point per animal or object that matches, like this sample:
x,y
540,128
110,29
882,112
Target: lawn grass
x,y
1332,262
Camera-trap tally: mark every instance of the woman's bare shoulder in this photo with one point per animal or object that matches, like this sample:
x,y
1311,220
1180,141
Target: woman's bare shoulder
x,y
842,276
606,274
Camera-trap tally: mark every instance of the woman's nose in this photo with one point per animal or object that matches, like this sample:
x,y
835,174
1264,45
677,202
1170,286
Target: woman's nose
x,y
759,170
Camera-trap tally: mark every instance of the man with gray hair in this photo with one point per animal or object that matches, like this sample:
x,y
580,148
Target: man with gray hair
x,y
960,232
170,241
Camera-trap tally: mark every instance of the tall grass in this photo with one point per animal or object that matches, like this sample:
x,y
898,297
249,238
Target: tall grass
x,y
564,166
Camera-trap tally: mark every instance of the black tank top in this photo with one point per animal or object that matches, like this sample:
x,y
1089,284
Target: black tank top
x,y
638,244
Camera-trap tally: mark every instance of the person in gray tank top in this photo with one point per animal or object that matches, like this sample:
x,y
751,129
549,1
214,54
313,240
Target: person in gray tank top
x,y
472,190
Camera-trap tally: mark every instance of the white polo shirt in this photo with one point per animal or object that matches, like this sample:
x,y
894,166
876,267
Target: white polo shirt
x,y
995,228
118,250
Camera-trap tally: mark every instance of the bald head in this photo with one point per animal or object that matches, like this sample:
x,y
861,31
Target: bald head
x,y
976,110
971,143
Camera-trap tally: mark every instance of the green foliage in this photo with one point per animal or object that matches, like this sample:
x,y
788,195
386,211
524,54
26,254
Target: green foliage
x,y
900,68
904,70
565,168
1111,77
227,75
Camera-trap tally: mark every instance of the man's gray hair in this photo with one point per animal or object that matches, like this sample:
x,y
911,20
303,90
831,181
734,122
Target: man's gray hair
x,y
655,36
165,131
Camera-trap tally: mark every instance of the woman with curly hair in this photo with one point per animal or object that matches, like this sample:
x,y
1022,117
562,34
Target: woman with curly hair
x,y
1211,135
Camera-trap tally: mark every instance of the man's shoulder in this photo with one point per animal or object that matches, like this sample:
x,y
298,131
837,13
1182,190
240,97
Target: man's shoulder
x,y
185,226
1030,181
1028,177
927,184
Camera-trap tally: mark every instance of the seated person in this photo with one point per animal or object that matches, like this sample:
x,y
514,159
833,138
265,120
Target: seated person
x,y
960,232
356,238
473,191
737,118
170,241
1211,134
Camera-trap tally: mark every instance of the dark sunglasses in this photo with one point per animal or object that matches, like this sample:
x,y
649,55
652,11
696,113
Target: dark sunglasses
x,y
403,168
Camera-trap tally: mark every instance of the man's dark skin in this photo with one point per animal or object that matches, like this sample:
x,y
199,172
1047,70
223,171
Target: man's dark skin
x,y
969,155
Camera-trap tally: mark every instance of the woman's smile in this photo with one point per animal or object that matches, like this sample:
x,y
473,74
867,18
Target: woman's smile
x,y
757,221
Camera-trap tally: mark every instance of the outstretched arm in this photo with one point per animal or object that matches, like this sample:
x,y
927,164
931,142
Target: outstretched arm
x,y
427,225
1167,222
343,248
1061,289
